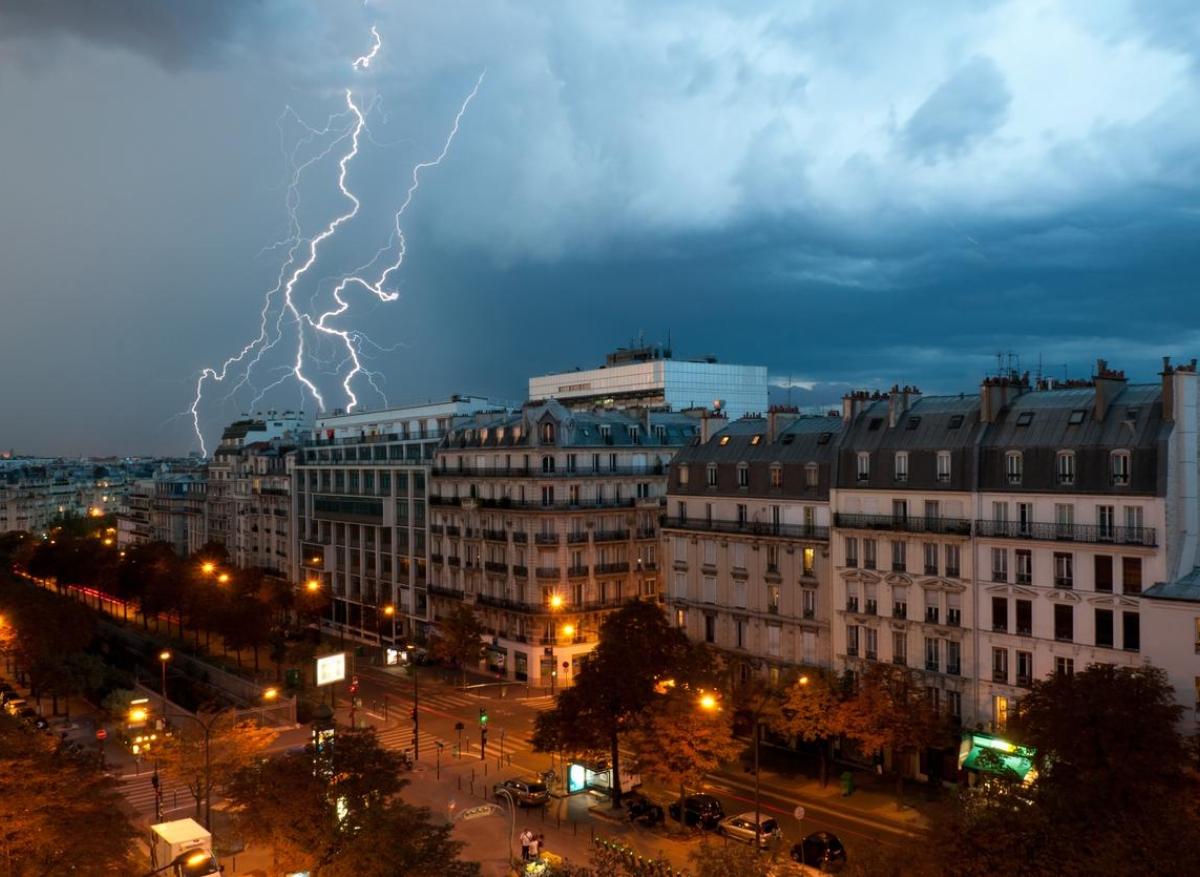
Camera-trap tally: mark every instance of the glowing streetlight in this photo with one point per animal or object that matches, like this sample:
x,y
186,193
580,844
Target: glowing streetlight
x,y
803,680
223,578
389,610
208,567
568,630
138,714
556,601
312,585
708,702
270,694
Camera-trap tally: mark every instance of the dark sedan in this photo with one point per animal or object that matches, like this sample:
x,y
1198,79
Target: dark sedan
x,y
703,810
821,850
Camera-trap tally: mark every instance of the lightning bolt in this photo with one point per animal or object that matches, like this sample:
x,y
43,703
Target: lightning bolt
x,y
364,61
301,255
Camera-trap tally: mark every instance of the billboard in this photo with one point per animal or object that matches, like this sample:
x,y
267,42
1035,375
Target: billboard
x,y
331,668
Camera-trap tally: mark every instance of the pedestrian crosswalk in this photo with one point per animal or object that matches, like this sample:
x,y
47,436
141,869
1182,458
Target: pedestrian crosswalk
x,y
401,737
138,789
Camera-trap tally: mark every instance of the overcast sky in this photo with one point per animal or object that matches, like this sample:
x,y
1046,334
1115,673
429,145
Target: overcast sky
x,y
850,193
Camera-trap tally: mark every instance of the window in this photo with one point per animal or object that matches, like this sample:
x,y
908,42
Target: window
x,y
1024,567
1025,418
900,510
852,597
743,514
683,475
999,564
931,558
953,657
852,639
1064,565
913,422
1064,666
899,647
548,495
872,644
710,474
739,633
1133,523
931,607
932,655
1118,468
710,589
851,551
548,433
681,510
1131,634
1105,522
1014,465
681,618
1104,628
809,604
1024,617
869,554
724,441
1131,575
1065,467
743,475
952,565
773,636
902,465
773,558
710,628
710,552
1000,614
956,420
899,555
864,465
1024,518
756,439
943,466
900,604
808,559
810,475
1024,669
739,594
999,712
953,701
1077,416
776,475
1064,622
547,464
1000,665
875,423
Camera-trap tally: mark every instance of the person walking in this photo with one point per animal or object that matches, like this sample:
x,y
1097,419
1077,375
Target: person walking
x,y
526,838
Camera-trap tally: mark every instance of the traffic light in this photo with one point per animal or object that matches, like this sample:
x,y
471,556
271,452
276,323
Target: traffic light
x,y
482,717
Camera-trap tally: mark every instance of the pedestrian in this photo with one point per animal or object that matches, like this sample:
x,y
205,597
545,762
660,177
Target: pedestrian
x,y
526,837
535,845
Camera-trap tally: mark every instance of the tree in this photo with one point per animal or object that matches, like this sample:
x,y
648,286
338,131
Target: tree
x,y
458,639
309,806
616,684
808,710
1111,765
373,850
206,753
58,815
731,860
890,710
679,741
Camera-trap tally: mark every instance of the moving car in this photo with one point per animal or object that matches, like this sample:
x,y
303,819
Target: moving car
x,y
703,810
741,827
524,792
821,850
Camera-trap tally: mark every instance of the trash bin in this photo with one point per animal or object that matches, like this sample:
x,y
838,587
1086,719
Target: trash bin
x,y
847,784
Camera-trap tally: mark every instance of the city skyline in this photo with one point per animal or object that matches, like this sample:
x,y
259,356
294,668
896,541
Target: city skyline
x,y
849,199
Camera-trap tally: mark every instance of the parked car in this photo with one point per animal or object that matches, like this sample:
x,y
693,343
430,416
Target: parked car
x,y
642,810
33,717
524,792
15,705
703,810
741,827
821,850
6,696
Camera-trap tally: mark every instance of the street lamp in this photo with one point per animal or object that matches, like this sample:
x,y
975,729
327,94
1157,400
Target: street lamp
x,y
270,694
556,603
208,567
312,586
163,657
223,578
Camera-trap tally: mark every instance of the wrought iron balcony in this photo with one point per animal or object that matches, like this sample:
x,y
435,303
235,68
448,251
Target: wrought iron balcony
x,y
1054,532
749,528
904,523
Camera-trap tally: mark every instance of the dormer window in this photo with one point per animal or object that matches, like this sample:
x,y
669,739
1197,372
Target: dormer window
x,y
1118,468
1014,467
710,475
901,465
547,433
743,475
864,465
756,439
956,421
811,474
683,474
776,475
943,466
1077,416
500,434
635,435
1025,418
1065,467
724,441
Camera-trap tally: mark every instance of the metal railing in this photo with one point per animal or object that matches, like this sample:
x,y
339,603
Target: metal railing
x,y
904,523
750,528
538,472
1063,532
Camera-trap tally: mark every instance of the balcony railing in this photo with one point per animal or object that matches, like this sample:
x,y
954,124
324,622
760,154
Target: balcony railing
x,y
574,538
954,669
904,523
532,505
520,571
545,538
495,566
900,610
495,535
577,572
548,572
953,617
610,535
620,566
538,472
443,591
749,528
932,667
1055,532
1000,676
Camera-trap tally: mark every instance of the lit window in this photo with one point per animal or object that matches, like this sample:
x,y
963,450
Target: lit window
x,y
683,474
756,439
776,475
724,440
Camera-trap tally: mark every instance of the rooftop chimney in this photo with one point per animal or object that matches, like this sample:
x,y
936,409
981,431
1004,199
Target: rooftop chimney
x,y
855,402
995,393
1108,383
773,419
898,403
710,425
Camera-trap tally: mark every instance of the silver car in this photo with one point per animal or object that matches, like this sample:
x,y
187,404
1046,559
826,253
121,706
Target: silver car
x,y
741,827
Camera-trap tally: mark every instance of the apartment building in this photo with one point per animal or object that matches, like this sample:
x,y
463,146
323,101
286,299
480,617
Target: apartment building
x,y
178,509
360,491
134,524
746,537
545,520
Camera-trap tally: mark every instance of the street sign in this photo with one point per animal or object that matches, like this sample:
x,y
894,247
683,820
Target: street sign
x,y
799,812
101,734
331,668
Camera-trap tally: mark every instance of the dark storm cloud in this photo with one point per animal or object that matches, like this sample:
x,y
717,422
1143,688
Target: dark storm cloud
x,y
850,193
175,33
963,110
